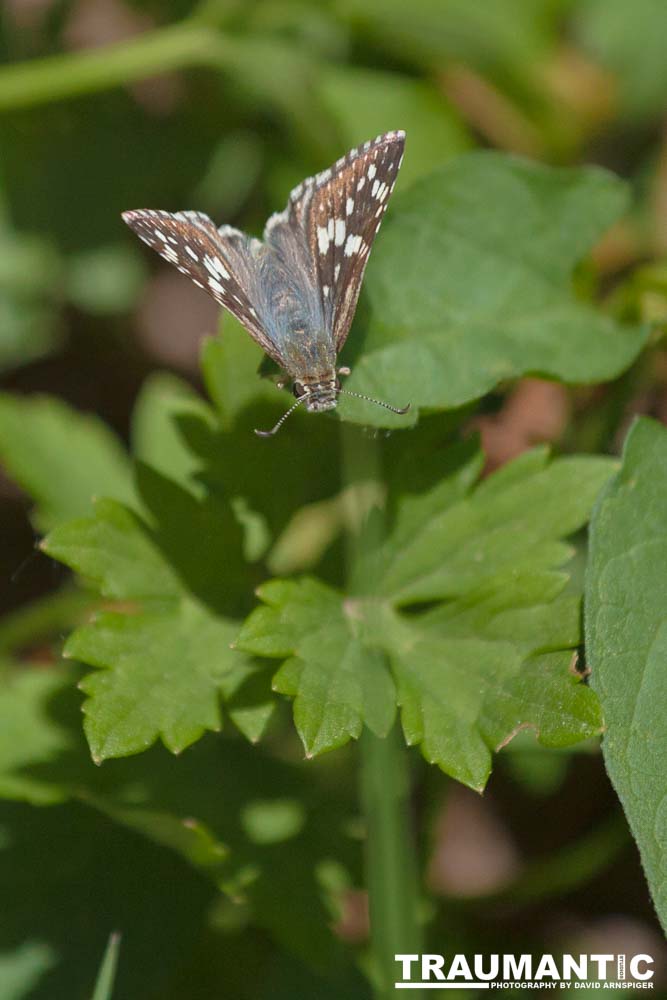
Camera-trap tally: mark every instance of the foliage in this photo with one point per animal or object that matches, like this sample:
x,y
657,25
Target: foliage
x,y
363,576
467,673
626,634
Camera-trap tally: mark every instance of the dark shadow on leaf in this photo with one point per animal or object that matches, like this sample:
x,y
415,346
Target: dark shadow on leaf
x,y
201,540
275,476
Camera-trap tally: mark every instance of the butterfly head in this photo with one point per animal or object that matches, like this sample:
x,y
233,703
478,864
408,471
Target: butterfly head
x,y
318,395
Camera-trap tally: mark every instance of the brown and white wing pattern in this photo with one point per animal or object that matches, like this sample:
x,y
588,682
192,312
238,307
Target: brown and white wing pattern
x,y
339,213
224,262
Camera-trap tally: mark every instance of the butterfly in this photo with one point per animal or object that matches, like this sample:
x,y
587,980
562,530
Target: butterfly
x,y
296,290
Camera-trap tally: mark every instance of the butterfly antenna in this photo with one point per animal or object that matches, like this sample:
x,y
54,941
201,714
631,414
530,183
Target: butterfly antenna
x,y
274,430
378,402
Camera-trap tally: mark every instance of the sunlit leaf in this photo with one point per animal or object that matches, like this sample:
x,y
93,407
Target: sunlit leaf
x,y
166,660
470,284
470,673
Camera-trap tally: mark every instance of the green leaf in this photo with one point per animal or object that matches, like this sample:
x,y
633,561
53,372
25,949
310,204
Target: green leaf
x,y
514,521
61,458
336,682
165,665
239,831
230,364
235,462
469,285
156,440
29,736
114,550
632,47
29,297
262,823
160,678
165,405
469,673
626,641
366,102
107,974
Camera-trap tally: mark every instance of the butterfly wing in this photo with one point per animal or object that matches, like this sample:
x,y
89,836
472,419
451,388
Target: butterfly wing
x,y
224,262
332,219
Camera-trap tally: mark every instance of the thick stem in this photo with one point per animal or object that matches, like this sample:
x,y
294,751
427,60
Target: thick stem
x,y
391,869
41,81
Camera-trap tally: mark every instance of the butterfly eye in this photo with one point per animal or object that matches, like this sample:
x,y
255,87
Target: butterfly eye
x,y
298,390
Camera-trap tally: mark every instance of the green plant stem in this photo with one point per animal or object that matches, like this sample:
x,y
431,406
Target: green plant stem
x,y
177,46
391,869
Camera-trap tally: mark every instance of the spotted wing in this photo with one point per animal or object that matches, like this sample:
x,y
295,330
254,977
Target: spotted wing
x,y
224,262
339,212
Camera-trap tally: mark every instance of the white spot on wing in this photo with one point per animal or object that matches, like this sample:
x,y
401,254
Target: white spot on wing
x,y
322,239
360,183
340,232
215,267
371,172
349,206
191,252
352,245
325,289
215,285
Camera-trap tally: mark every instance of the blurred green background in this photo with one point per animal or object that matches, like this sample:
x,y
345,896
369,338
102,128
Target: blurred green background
x,y
223,107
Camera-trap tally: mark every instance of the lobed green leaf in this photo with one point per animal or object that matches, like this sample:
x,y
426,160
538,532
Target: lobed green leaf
x,y
165,662
469,673
160,678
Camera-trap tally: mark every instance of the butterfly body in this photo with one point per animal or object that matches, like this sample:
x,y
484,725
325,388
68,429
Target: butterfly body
x,y
296,290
